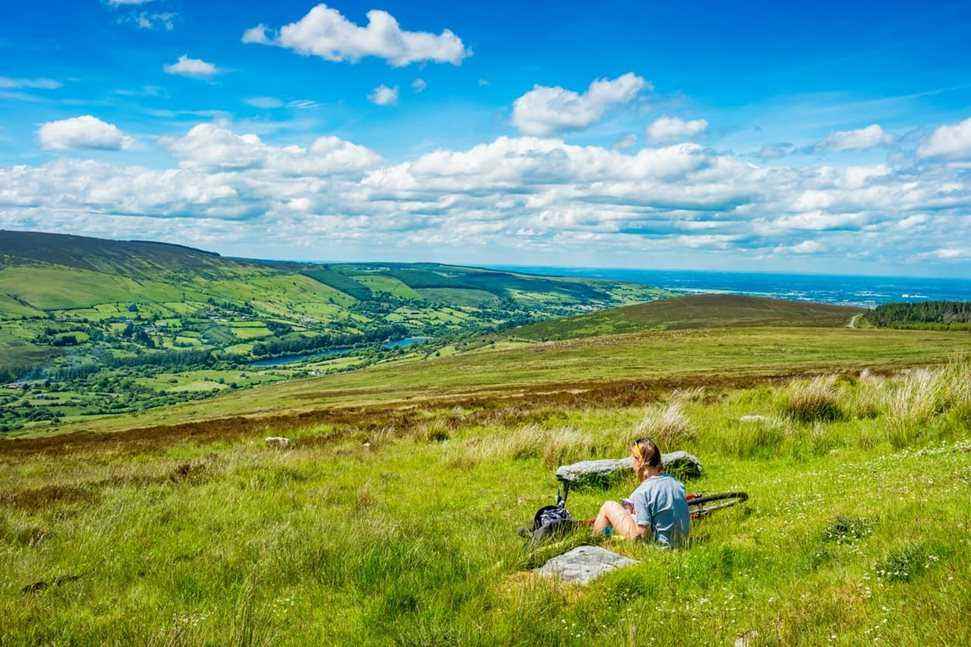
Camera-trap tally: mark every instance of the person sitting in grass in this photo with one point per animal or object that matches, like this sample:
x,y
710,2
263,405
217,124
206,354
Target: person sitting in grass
x,y
656,510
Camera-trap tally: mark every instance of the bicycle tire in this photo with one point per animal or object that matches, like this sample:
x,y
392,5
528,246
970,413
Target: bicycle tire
x,y
723,500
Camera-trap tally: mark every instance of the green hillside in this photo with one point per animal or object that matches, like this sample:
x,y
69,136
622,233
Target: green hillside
x,y
390,517
115,326
696,311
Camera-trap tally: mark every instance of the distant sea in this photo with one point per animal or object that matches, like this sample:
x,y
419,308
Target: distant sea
x,y
866,291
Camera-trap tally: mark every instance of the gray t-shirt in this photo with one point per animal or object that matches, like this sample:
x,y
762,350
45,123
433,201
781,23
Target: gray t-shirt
x,y
659,504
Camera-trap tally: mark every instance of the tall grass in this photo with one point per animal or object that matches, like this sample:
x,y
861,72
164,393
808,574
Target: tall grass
x,y
668,427
554,446
919,395
813,400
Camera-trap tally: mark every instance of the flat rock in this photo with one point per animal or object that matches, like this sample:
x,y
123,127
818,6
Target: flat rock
x,y
583,564
277,441
603,472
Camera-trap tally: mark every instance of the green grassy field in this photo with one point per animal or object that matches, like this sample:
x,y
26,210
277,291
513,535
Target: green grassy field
x,y
391,518
856,531
583,368
698,311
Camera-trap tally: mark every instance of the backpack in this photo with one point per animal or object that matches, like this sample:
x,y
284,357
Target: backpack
x,y
550,521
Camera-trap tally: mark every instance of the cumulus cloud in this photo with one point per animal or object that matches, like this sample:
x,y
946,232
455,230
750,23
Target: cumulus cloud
x,y
192,67
951,141
215,147
547,110
34,84
326,33
534,195
664,129
383,95
83,132
857,140
419,85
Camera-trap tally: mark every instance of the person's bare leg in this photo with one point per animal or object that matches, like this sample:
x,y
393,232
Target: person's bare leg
x,y
613,514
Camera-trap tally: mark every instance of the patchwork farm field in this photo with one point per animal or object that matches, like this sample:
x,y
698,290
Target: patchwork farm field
x,y
106,318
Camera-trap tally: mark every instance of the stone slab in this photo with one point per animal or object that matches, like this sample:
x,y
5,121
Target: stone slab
x,y
584,564
603,472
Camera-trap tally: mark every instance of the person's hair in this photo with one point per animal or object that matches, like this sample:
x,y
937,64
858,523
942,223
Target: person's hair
x,y
648,452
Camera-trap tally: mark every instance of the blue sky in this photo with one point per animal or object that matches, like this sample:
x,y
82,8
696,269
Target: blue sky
x,y
756,136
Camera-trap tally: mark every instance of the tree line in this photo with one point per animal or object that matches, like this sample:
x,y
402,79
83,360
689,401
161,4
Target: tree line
x,y
295,345
939,313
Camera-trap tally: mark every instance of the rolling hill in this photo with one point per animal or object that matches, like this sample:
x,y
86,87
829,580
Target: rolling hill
x,y
689,312
93,315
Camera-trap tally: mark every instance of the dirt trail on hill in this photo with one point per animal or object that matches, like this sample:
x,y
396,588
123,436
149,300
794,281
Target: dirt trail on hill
x,y
500,404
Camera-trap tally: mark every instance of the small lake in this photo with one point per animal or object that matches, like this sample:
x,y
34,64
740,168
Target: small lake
x,y
405,343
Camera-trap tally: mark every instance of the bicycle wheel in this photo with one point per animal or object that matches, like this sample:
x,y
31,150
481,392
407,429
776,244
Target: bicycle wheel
x,y
704,505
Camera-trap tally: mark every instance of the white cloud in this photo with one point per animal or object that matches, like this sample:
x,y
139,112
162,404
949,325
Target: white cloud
x,y
665,129
951,141
625,142
776,151
857,140
83,132
525,195
164,20
192,67
302,104
35,84
216,147
265,103
326,33
952,253
383,95
808,247
256,35
547,110
419,85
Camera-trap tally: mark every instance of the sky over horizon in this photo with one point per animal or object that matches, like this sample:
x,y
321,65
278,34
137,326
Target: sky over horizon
x,y
757,136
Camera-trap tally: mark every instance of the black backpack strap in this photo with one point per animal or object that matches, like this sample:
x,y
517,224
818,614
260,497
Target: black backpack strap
x,y
562,493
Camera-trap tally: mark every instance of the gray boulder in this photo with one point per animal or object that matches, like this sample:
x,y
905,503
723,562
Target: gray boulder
x,y
601,473
278,442
583,564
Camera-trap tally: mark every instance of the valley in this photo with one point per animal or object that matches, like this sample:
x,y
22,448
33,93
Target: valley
x,y
91,327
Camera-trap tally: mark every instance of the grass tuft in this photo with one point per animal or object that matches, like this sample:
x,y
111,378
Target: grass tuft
x,y
813,400
668,427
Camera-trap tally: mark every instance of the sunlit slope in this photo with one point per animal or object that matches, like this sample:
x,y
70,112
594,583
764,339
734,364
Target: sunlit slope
x,y
43,272
696,311
514,370
53,285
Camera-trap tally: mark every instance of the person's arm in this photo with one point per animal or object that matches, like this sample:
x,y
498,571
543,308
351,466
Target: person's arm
x,y
642,516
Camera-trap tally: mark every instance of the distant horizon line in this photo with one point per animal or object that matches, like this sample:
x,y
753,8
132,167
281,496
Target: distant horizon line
x,y
498,265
